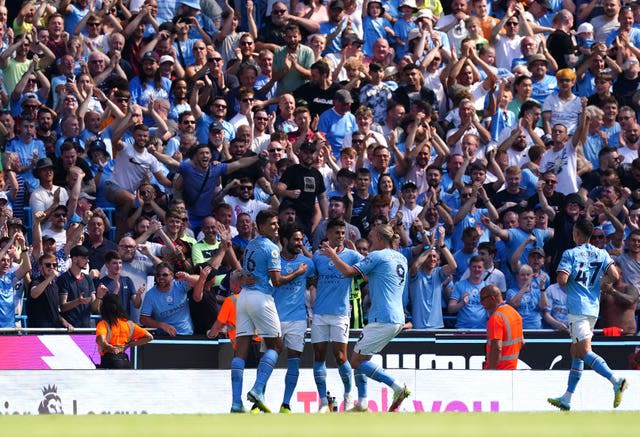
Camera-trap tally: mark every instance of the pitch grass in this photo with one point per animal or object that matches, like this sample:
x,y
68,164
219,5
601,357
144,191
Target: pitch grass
x,y
311,425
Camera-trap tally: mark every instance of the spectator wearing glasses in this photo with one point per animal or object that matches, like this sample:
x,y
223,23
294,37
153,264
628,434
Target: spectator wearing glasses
x,y
246,99
242,201
56,227
546,195
43,306
273,32
166,306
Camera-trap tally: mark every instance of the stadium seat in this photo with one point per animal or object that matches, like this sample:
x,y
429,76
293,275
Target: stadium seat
x,y
28,221
112,232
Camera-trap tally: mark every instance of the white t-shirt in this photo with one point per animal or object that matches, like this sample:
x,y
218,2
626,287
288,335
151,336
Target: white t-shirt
x,y
131,167
566,112
603,27
507,50
251,207
628,154
564,164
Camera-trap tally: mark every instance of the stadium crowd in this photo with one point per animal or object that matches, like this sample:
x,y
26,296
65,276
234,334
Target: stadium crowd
x,y
143,137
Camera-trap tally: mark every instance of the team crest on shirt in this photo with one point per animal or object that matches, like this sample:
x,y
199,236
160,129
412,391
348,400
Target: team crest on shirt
x,y
170,300
331,263
275,253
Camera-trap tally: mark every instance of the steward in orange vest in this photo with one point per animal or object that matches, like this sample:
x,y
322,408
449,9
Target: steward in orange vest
x,y
504,330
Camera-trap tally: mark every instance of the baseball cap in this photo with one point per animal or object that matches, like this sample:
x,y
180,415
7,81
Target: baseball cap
x,y
350,38
79,251
574,198
193,4
337,4
167,58
409,184
308,146
413,34
98,145
535,58
84,195
584,28
545,4
216,125
15,221
150,56
537,251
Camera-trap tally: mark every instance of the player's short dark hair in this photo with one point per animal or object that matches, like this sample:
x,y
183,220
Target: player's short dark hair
x,y
336,223
263,217
287,231
585,227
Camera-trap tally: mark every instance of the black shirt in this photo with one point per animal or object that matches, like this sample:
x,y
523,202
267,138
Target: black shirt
x,y
44,310
310,183
80,316
318,100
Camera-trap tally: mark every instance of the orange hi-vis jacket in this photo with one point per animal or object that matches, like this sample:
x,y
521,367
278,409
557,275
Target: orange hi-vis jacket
x,y
506,324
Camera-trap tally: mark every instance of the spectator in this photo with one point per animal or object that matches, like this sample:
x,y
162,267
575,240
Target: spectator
x,y
165,305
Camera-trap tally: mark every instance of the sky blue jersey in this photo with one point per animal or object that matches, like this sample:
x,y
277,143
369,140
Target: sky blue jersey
x,y
260,257
333,289
585,265
387,272
290,298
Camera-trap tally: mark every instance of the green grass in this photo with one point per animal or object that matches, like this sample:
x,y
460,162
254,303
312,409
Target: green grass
x,y
330,425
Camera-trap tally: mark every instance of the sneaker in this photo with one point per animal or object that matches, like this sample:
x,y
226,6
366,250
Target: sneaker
x,y
559,403
285,409
348,403
258,400
324,409
618,389
357,408
238,408
398,397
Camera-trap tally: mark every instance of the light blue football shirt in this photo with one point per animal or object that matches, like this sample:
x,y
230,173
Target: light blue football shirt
x,y
333,289
585,265
290,298
387,272
261,256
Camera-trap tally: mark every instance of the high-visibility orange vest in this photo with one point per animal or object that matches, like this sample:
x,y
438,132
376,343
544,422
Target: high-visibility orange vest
x,y
506,324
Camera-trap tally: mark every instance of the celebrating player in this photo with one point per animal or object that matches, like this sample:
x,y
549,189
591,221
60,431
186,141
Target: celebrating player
x,y
290,303
579,273
331,313
256,310
387,272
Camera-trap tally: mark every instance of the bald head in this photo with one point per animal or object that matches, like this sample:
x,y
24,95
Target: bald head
x,y
490,297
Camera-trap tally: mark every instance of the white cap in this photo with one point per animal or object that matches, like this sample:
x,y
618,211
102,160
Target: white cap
x,y
167,58
413,34
425,13
410,3
585,28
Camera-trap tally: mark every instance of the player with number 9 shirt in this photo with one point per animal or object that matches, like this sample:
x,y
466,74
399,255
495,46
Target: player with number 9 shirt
x,y
386,270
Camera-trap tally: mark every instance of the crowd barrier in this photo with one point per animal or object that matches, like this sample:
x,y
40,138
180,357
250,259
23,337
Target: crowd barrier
x,y
209,391
413,349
